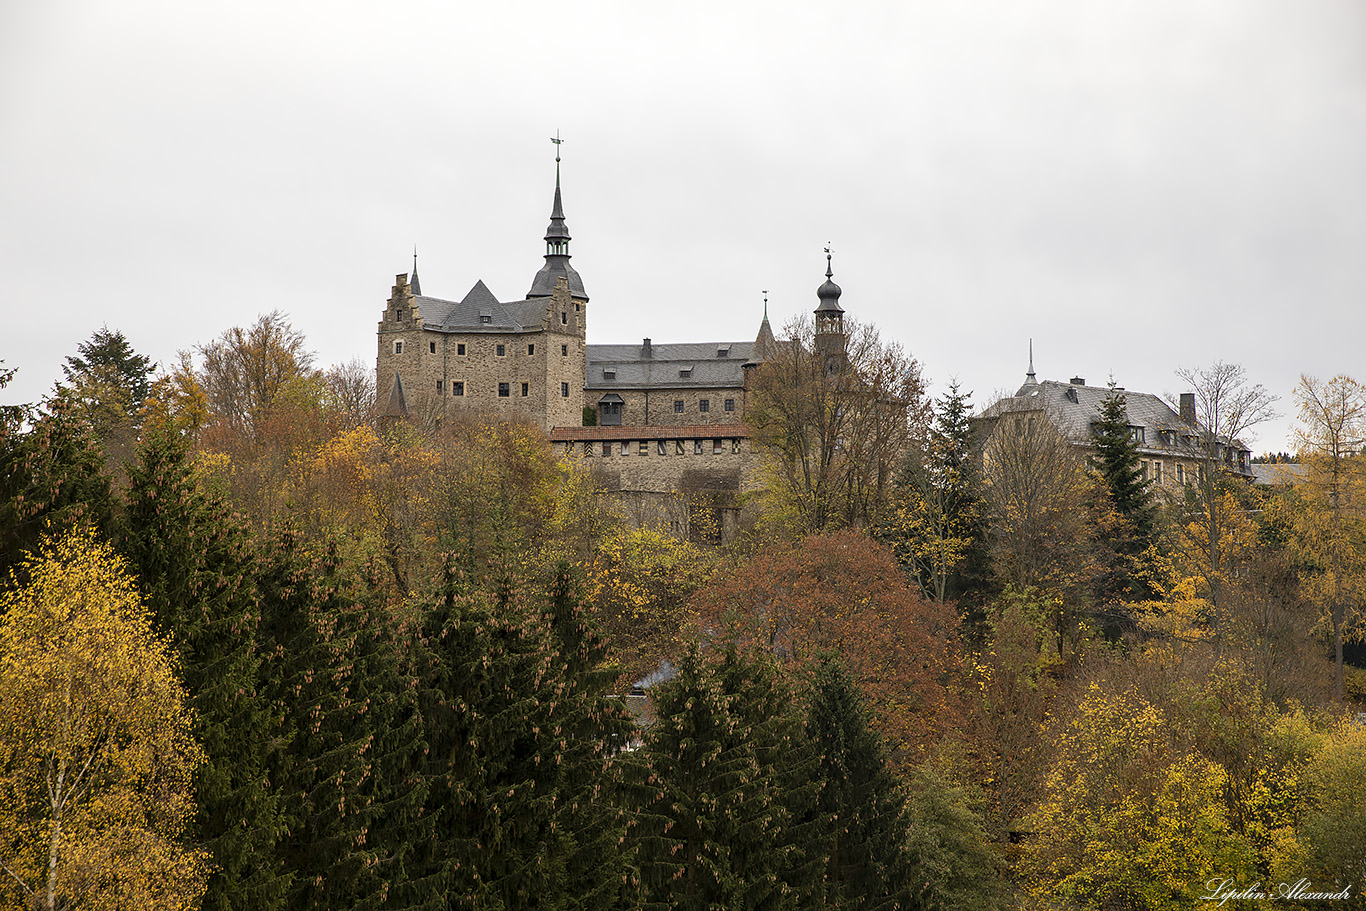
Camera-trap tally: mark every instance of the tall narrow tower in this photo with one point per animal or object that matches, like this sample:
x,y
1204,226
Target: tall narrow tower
x,y
829,339
556,248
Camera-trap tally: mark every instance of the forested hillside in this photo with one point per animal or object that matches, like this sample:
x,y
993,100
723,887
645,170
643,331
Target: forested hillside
x,y
260,650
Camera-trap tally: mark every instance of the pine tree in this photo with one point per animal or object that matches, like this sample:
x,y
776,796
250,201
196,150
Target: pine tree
x,y
488,706
728,816
1117,463
197,576
593,729
52,479
349,769
936,525
108,356
868,866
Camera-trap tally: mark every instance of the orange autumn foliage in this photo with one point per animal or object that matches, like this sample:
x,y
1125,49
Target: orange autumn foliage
x,y
844,592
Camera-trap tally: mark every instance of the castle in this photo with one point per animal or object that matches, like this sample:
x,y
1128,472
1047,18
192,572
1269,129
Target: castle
x,y
669,439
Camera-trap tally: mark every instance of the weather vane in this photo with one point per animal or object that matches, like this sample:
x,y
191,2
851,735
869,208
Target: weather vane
x,y
558,141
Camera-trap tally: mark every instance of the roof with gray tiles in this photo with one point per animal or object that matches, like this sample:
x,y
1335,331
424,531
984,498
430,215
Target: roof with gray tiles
x,y
468,314
679,366
1074,407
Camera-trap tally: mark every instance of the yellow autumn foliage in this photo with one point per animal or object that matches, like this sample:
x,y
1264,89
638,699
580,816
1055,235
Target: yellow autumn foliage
x,y
96,753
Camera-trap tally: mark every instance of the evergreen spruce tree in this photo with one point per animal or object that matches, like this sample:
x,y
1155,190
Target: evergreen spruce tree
x,y
593,729
868,866
1117,463
728,816
108,356
489,704
936,525
52,478
349,772
197,576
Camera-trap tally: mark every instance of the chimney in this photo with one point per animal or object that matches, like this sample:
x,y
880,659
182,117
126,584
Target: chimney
x,y
1077,381
1188,407
646,350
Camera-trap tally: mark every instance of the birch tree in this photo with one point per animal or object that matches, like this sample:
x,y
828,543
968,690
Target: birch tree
x,y
96,755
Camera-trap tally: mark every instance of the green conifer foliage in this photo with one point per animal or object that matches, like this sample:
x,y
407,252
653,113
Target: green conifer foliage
x,y
348,767
196,571
728,816
52,478
1117,462
936,524
868,866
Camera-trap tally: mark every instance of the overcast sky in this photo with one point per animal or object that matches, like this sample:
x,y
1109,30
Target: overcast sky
x,y
1137,186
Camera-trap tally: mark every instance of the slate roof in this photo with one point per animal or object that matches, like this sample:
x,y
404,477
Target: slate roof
x,y
1073,408
466,315
664,368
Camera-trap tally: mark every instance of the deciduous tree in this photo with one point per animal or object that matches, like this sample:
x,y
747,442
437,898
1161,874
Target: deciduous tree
x,y
1330,529
1227,406
96,752
834,437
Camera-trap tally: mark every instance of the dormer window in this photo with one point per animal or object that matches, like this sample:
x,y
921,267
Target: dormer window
x,y
723,351
1138,435
609,373
685,372
485,318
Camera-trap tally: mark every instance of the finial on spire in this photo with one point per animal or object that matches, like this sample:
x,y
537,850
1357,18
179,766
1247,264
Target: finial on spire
x,y
417,289
558,142
765,306
828,272
1029,377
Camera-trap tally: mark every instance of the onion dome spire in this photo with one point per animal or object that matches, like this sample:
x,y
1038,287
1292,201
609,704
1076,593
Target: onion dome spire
x,y
828,293
556,246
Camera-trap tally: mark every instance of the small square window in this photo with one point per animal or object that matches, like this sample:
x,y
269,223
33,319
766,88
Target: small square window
x,y
564,351
606,447
457,388
735,445
460,348
525,388
678,406
501,350
644,447
398,347
696,447
431,346
504,390
678,447
530,349
564,390
609,373
715,447
730,404
485,318
662,447
704,405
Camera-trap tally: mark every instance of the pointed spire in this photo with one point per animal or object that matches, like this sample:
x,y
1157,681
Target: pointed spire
x,y
417,289
556,246
1030,379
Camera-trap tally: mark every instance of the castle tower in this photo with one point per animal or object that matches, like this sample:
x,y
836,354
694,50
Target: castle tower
x,y
829,339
